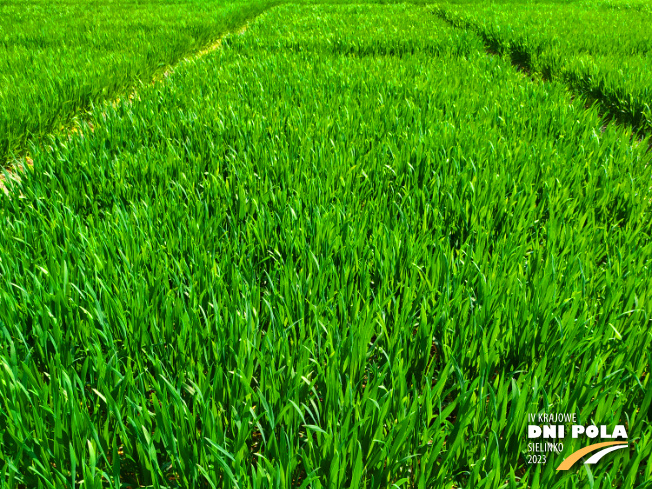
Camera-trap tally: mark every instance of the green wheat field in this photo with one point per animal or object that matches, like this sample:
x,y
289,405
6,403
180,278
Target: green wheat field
x,y
254,244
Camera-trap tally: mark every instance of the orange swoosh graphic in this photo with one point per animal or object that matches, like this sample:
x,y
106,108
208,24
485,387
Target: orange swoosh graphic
x,y
575,456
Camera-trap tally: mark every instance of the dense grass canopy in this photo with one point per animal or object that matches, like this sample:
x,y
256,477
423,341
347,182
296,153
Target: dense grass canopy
x,y
352,247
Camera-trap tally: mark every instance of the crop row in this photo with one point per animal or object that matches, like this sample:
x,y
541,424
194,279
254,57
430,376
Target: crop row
x,y
57,58
602,50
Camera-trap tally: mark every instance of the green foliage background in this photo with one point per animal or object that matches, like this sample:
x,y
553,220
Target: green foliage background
x,y
354,247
